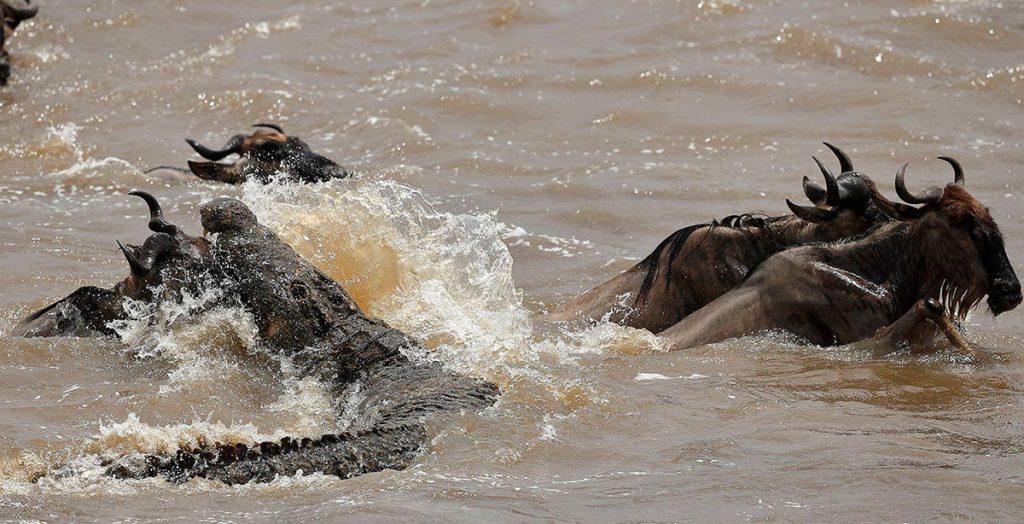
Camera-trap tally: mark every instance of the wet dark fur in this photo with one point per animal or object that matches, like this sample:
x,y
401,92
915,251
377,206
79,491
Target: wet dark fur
x,y
949,251
264,156
304,314
676,241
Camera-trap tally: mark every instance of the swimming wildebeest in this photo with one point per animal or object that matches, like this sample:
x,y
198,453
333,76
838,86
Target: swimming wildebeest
x,y
12,13
169,261
300,312
263,155
946,254
700,263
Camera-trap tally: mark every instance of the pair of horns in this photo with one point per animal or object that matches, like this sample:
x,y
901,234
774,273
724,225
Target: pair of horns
x,y
818,194
141,259
830,195
19,13
932,195
233,145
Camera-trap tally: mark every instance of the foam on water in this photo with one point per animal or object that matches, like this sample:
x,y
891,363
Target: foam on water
x,y
444,278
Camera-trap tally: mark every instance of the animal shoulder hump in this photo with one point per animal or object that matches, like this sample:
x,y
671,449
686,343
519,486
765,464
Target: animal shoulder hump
x,y
788,265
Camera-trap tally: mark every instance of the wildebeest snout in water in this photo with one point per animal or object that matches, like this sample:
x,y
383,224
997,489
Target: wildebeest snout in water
x,y
13,13
948,250
263,155
302,313
167,264
700,263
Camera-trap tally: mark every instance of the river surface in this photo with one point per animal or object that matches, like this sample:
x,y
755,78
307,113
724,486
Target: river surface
x,y
511,154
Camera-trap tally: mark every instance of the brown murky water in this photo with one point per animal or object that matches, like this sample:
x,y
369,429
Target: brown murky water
x,y
569,137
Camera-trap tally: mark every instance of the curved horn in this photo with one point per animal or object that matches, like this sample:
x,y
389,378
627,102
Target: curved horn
x,y
928,196
814,192
156,215
845,165
275,127
811,213
831,186
171,168
22,13
958,170
233,145
893,210
155,246
138,268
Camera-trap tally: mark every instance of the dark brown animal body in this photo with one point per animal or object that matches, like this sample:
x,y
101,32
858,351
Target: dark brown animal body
x,y
949,250
301,313
169,261
700,263
12,14
264,155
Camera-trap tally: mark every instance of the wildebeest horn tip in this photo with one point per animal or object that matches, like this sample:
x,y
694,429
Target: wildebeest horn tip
x,y
275,127
958,170
233,145
831,186
845,164
137,267
156,215
928,196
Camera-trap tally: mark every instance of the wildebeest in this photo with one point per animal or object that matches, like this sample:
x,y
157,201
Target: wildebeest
x,y
12,13
948,250
700,263
263,155
168,261
299,312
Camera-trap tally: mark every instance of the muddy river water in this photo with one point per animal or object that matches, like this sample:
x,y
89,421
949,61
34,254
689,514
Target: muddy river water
x,y
511,154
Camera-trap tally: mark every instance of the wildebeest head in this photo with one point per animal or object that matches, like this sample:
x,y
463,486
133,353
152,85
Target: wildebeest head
x,y
972,258
12,13
165,265
263,154
844,203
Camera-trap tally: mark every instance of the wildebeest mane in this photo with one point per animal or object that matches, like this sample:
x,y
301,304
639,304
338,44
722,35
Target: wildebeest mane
x,y
673,246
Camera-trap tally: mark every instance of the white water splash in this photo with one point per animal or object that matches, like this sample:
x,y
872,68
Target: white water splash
x,y
444,278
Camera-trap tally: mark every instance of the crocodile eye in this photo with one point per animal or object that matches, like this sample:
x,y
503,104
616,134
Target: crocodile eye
x,y
299,290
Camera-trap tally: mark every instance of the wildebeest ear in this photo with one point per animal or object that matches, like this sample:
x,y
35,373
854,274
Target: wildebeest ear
x,y
88,309
814,192
227,173
811,213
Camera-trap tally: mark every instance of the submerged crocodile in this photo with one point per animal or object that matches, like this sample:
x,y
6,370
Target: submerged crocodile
x,y
301,313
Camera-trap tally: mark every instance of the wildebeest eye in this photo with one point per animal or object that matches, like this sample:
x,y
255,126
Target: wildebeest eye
x,y
981,233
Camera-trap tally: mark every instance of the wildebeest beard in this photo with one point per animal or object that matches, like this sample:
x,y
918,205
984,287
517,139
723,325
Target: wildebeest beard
x,y
304,314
